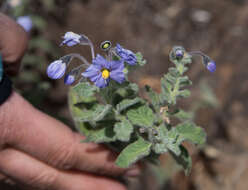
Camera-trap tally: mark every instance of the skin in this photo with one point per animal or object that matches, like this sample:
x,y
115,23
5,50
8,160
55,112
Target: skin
x,y
40,152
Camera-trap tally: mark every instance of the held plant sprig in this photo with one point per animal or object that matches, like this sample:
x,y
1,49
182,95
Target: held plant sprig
x,y
107,108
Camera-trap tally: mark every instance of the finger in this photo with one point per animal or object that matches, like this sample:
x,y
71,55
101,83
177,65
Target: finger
x,y
13,43
54,143
33,173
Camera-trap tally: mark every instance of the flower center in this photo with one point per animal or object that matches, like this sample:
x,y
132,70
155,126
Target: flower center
x,y
105,73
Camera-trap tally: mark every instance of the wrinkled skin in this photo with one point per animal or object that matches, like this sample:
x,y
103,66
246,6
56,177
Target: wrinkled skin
x,y
39,152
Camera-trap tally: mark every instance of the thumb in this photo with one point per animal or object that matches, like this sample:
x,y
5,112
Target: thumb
x,y
13,43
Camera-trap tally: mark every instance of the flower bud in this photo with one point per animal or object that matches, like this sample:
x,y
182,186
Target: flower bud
x,y
71,39
211,66
56,69
69,79
25,22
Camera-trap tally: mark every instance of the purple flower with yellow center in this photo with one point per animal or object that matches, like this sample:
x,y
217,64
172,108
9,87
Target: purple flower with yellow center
x,y
102,70
211,66
71,39
127,55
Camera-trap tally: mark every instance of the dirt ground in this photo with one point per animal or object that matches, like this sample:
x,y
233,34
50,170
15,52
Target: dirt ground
x,y
153,27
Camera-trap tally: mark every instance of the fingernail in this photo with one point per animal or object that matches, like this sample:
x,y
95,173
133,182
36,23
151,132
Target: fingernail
x,y
134,172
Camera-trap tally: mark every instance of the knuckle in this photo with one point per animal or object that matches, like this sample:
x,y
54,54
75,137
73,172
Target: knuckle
x,y
64,157
44,180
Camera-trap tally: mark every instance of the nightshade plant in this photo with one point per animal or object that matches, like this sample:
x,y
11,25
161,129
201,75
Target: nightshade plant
x,y
107,107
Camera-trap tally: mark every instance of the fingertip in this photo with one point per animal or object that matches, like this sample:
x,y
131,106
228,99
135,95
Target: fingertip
x,y
13,43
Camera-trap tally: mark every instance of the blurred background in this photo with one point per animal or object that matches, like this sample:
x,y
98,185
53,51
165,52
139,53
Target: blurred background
x,y
153,27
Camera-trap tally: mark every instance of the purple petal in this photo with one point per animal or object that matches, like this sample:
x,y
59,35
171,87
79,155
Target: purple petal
x,y
116,65
101,82
95,78
91,71
127,55
101,62
118,76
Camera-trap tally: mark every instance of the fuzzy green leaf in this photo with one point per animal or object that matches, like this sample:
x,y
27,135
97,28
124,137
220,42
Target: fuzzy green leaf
x,y
172,139
98,113
103,135
123,130
125,104
190,132
133,152
183,93
183,115
184,81
83,93
154,97
142,116
127,90
184,160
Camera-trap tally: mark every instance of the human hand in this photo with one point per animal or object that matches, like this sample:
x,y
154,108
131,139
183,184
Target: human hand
x,y
40,152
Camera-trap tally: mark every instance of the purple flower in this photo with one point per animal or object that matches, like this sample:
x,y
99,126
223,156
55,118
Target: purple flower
x,y
71,39
69,79
101,71
127,55
211,66
25,22
56,69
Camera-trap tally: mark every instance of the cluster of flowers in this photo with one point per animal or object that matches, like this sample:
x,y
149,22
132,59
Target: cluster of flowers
x,y
101,71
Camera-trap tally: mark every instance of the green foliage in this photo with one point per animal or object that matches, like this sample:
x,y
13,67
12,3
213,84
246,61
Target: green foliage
x,y
133,152
139,129
184,160
123,105
123,130
142,116
83,93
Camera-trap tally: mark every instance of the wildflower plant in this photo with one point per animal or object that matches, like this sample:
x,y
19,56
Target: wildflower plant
x,y
108,109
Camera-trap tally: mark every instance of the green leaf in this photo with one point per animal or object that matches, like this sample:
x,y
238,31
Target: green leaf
x,y
190,132
83,92
123,105
98,113
123,130
172,139
183,93
154,97
127,90
103,135
160,148
140,59
184,160
183,115
142,116
184,81
133,152
97,135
